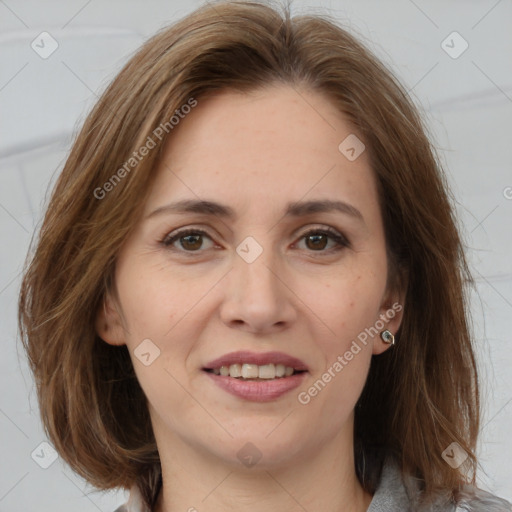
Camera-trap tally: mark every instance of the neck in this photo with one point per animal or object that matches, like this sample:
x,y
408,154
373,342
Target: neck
x,y
323,479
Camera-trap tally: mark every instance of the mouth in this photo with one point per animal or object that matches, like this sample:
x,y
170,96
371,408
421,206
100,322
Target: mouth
x,y
248,365
254,372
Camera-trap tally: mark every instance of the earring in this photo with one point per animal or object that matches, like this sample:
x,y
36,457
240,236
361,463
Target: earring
x,y
387,337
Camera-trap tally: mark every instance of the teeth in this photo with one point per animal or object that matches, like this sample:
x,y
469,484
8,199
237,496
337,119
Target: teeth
x,y
267,371
249,371
253,371
235,370
280,370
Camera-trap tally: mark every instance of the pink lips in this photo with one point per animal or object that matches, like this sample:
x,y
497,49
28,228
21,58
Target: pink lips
x,y
245,356
257,391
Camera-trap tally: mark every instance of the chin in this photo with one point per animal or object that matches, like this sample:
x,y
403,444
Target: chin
x,y
263,451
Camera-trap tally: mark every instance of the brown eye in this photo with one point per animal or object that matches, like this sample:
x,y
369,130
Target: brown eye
x,y
317,240
191,240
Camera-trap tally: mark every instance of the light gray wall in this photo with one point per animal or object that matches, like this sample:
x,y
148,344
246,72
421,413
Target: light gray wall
x,y
467,100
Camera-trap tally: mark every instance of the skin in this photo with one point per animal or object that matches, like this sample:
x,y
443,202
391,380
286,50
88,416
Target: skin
x,y
255,153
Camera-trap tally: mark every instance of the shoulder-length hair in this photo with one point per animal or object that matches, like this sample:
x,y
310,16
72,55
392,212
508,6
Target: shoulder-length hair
x,y
419,398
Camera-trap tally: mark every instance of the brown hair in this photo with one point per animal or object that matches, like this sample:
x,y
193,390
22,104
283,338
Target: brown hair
x,y
419,397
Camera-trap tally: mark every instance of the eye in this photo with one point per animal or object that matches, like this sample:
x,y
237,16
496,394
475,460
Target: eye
x,y
191,240
317,240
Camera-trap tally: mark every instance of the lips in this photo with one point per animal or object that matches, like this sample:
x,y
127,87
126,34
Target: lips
x,y
253,358
240,374
258,391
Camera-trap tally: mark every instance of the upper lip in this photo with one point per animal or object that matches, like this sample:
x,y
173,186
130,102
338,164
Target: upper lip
x,y
245,356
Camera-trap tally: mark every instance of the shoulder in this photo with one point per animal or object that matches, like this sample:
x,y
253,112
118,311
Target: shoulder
x,y
394,492
473,499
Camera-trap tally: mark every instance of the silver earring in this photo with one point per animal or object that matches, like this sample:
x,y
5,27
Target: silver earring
x,y
387,337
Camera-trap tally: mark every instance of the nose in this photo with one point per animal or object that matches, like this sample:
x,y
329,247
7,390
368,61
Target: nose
x,y
256,296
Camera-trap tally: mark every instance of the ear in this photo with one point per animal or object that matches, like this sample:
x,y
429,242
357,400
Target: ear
x,y
109,324
391,313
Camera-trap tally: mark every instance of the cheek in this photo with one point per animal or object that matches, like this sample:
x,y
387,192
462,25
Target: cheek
x,y
347,355
153,300
333,392
156,305
348,303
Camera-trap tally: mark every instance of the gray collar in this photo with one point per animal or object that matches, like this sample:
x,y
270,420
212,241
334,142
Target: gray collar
x,y
391,494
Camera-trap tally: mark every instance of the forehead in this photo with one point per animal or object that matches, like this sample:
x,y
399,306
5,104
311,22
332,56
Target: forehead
x,y
267,147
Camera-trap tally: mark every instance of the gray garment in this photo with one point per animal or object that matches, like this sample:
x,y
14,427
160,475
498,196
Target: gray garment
x,y
395,495
392,495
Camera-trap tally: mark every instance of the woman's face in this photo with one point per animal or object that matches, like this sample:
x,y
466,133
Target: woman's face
x,y
268,276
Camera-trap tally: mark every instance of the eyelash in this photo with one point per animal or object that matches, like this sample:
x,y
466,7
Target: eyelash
x,y
340,240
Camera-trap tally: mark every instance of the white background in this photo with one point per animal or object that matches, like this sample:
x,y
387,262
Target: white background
x,y
467,102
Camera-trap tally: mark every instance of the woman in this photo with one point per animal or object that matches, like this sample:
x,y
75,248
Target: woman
x,y
249,290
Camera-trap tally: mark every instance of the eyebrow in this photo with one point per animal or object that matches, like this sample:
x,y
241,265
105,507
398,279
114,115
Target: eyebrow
x,y
293,209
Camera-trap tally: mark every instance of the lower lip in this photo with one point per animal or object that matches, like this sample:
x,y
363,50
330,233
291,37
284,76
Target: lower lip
x,y
258,391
